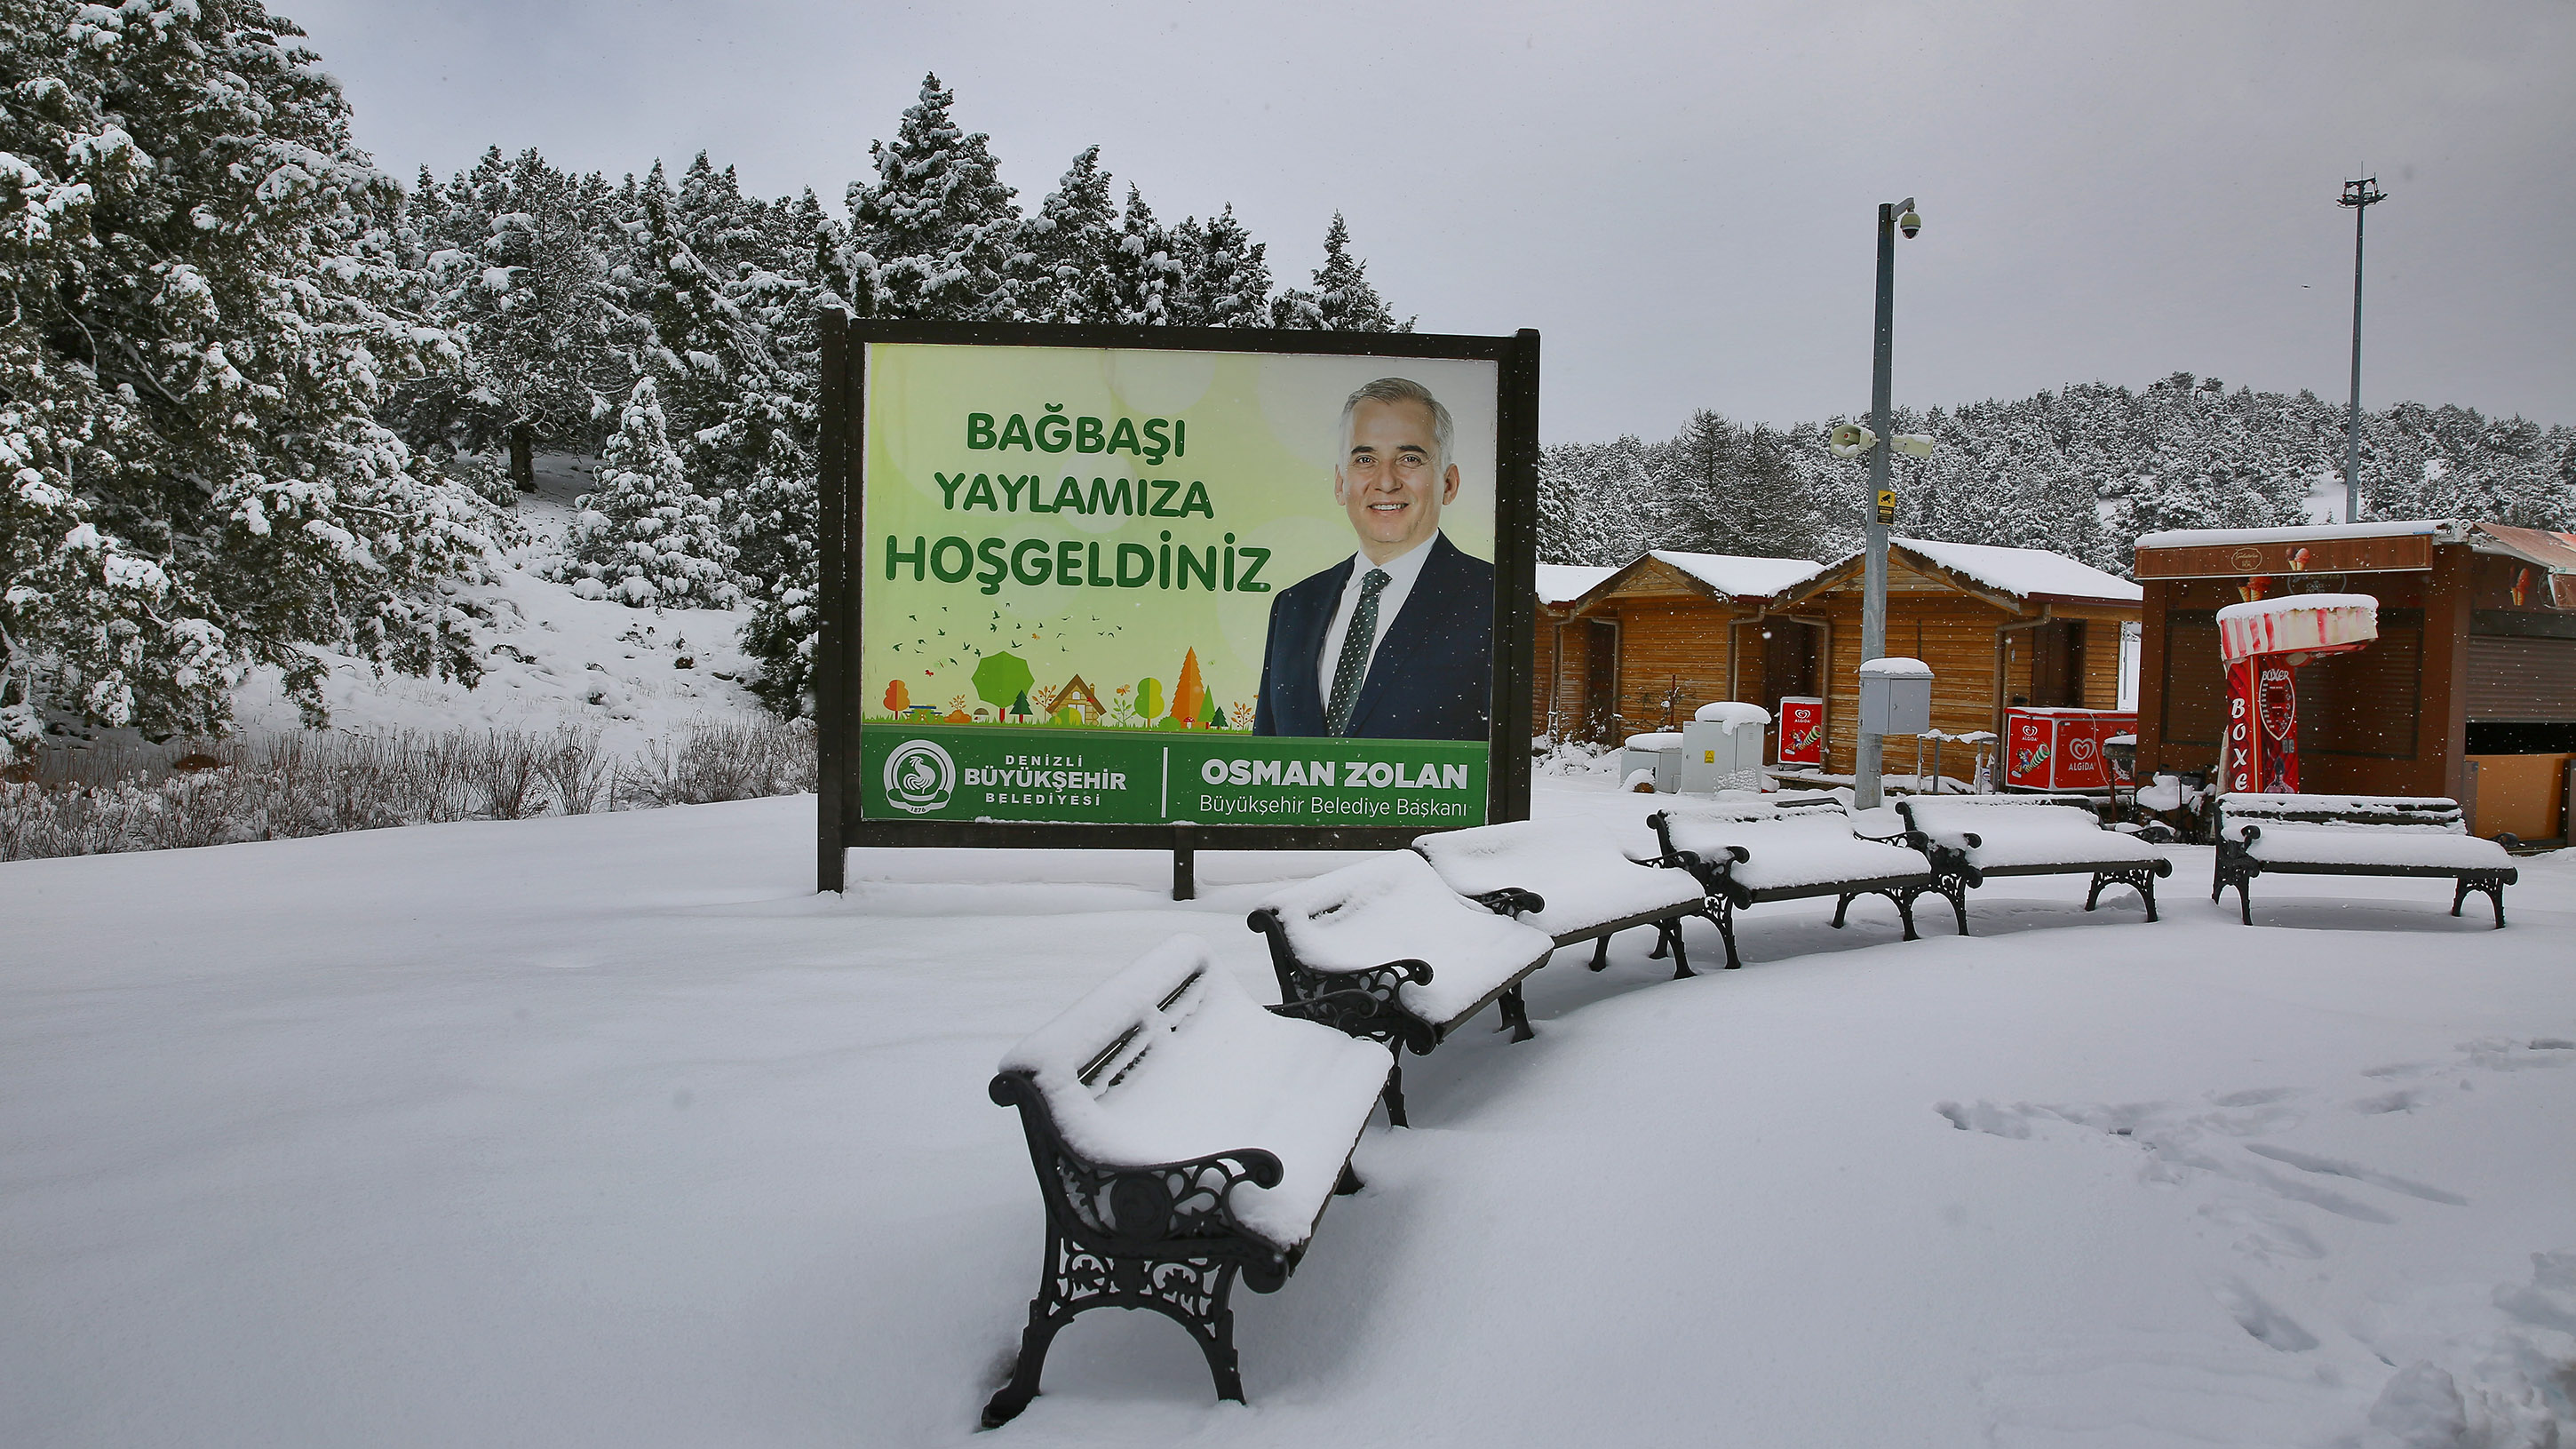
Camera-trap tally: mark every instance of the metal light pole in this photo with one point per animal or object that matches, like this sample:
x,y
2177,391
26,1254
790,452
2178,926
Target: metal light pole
x,y
2360,196
1866,770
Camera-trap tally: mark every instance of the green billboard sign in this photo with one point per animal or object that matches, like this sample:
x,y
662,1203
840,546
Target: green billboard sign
x,y
1147,577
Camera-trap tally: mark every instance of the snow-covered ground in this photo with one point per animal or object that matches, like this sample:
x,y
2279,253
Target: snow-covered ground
x,y
607,1130
550,657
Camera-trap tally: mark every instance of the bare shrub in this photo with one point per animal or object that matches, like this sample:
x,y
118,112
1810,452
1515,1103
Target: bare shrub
x,y
106,796
718,760
575,767
505,773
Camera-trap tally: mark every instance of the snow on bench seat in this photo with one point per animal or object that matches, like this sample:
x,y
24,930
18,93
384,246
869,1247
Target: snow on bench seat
x,y
1745,857
1383,949
1785,852
1979,836
1591,888
2390,835
1182,1063
2424,847
1181,1135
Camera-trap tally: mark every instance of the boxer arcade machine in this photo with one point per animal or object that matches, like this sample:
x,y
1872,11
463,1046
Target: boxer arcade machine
x,y
2263,642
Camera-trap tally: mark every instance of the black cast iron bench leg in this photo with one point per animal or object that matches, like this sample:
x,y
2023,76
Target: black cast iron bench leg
x,y
1196,1297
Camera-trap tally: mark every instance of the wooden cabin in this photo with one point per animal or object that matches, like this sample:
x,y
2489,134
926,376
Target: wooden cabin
x,y
1999,626
1647,644
2469,691
1560,671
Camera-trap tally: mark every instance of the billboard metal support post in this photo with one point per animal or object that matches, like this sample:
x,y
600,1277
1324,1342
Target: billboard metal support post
x,y
834,734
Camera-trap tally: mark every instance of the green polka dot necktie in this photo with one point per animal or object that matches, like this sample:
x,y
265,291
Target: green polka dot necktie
x,y
1348,670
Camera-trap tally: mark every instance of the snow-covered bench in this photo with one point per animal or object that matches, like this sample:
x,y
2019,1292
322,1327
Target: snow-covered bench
x,y
1744,857
2392,835
1384,950
1593,890
1182,1136
1980,837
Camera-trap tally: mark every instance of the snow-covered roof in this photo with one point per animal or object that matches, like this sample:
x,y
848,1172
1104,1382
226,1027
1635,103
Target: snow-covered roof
x,y
2443,530
1740,575
1562,584
2027,572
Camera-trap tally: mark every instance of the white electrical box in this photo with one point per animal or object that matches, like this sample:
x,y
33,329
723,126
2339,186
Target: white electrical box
x,y
1721,755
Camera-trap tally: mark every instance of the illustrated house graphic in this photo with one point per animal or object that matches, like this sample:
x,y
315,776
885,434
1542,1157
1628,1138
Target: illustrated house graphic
x,y
1079,696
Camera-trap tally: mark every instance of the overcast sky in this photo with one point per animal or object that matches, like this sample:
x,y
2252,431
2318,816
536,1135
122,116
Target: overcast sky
x,y
1680,198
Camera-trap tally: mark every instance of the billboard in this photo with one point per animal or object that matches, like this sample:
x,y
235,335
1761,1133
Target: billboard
x,y
1125,578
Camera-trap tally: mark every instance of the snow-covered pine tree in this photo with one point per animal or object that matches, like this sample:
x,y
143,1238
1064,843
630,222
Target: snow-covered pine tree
x,y
519,281
1597,503
645,537
199,263
1342,299
1224,280
1068,244
938,229
1142,274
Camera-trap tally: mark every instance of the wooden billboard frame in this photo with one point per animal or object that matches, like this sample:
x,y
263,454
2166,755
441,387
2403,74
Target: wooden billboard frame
x,y
839,825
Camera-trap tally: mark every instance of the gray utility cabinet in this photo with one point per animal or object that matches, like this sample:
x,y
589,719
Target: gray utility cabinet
x,y
1895,701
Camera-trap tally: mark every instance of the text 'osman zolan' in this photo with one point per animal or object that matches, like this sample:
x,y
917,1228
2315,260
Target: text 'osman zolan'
x,y
1393,642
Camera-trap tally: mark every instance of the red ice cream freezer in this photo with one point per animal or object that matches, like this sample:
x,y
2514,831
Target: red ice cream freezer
x,y
2061,749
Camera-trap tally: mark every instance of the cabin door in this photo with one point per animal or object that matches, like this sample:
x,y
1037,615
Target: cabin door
x,y
1600,679
1789,664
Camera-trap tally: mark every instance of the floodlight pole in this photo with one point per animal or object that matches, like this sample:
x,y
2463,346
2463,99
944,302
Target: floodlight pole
x,y
2360,196
1866,769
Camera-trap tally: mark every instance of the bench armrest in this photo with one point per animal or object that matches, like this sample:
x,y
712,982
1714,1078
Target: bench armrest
x,y
1510,901
1127,1207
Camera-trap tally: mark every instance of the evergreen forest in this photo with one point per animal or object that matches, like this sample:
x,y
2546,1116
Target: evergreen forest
x,y
260,400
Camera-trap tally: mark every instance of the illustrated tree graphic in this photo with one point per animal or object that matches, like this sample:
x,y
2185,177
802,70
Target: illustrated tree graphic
x,y
1210,716
1002,681
1149,699
1189,696
1020,706
898,697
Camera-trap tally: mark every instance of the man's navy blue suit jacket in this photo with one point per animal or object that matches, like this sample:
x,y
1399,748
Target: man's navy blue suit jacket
x,y
1433,676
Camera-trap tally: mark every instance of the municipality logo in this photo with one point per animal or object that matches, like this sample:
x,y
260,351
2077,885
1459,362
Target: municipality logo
x,y
919,777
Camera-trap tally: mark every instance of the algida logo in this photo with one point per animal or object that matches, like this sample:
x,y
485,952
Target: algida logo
x,y
919,777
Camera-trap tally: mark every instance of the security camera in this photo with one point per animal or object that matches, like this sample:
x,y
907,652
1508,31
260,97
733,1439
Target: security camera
x,y
1912,220
1915,445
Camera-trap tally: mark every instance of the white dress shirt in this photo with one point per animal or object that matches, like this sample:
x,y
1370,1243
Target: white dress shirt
x,y
1401,571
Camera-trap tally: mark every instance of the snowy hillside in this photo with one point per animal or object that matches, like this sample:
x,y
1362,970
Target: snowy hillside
x,y
607,1130
552,656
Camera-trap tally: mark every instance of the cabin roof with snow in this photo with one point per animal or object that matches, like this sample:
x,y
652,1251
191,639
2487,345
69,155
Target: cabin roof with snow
x,y
1561,584
2013,577
1720,576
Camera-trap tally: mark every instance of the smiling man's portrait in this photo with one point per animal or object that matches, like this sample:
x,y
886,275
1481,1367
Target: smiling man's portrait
x,y
1395,641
